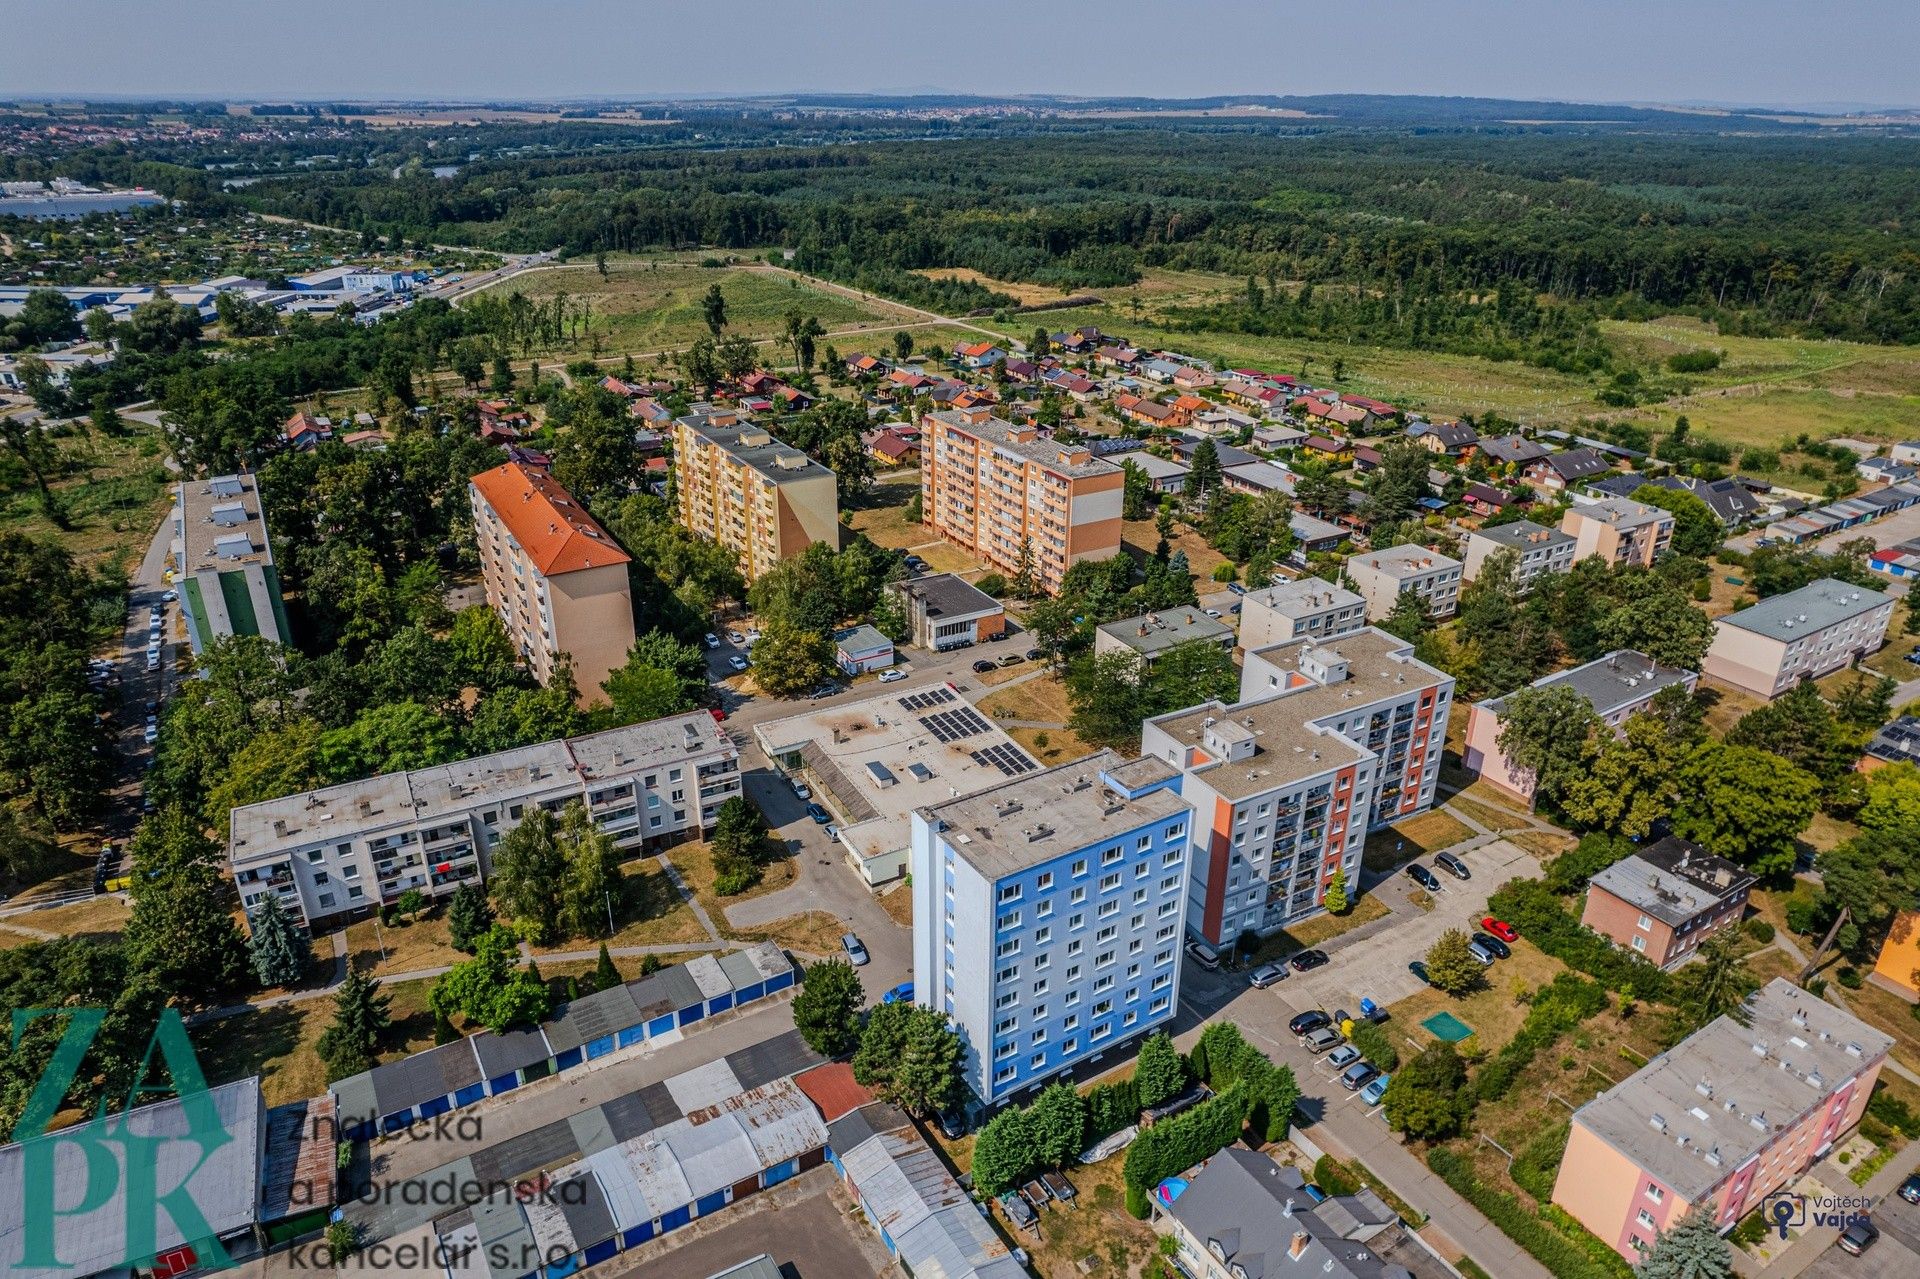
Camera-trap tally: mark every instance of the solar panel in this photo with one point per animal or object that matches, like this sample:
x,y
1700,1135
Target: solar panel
x,y
1010,760
931,697
950,726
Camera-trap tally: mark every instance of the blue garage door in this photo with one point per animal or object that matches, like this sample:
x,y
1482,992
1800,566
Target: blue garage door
x,y
712,1203
634,1235
690,1015
632,1035
470,1094
675,1219
503,1083
601,1251
567,1060
600,1047
660,1025
780,1172
438,1106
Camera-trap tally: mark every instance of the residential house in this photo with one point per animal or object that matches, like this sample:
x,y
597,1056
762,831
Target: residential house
x,y
1486,500
893,445
1884,470
1381,577
1215,420
1306,608
1330,738
1450,439
1151,634
1619,530
1733,502
1559,471
1537,550
1724,1119
1185,446
1366,459
1510,450
1146,412
1258,477
1186,406
861,365
945,611
1802,635
1907,451
1159,369
1010,883
1082,340
304,431
556,579
977,355
1616,686
1313,536
1663,901
1167,475
1115,357
1189,378
1329,448
1332,412
1279,437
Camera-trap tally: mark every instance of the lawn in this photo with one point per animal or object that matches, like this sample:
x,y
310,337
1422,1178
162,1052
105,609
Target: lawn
x,y
1321,928
1727,708
278,1043
1415,837
649,305
1492,815
1043,698
1139,537
1887,1011
410,947
1492,1011
648,911
103,916
814,932
898,903
115,492
695,865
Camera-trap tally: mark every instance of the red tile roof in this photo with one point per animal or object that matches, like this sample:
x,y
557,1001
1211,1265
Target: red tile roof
x,y
552,528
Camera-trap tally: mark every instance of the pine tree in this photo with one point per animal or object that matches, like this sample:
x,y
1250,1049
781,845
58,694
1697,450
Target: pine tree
x,y
1157,1072
281,954
469,916
1023,584
605,976
1692,1249
1336,899
360,1018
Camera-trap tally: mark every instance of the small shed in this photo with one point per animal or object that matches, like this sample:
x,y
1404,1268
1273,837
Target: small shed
x,y
860,649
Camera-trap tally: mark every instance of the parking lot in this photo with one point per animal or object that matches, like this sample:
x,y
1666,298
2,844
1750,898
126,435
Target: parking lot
x,y
1896,1255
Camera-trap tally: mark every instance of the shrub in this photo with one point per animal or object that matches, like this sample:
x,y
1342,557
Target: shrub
x,y
1850,977
1759,929
1801,916
1176,1144
1557,1008
1111,1107
1702,590
1694,361
1332,1177
1531,906
1537,1163
1561,1255
992,584
1893,1112
1751,1230
1224,573
735,880
1376,1045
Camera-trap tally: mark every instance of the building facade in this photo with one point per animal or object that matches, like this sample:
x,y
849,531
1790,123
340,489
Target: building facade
x,y
1381,576
1619,530
1329,740
556,578
1047,915
1616,686
764,500
1721,1120
223,561
1537,551
1804,634
1308,608
946,611
991,487
1664,901
344,849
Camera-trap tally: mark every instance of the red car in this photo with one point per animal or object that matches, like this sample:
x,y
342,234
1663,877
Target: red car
x,y
1503,931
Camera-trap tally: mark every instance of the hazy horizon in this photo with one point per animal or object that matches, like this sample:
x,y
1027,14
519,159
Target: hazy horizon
x,y
1757,53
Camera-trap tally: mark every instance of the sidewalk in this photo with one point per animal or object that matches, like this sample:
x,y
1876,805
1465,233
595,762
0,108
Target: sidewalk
x,y
1808,1248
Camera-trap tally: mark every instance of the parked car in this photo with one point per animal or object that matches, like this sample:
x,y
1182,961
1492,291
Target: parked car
x,y
1492,945
1266,975
800,789
1452,865
1312,1019
1343,1056
1011,659
1480,953
832,833
1204,955
1419,969
168,597
1307,960
982,666
1499,928
1910,1189
856,953
735,637
737,662
1358,1075
153,730
1321,1040
710,640
1859,1237
1034,655
953,1124
1376,1089
153,661
1236,588
901,994
818,814
892,676
1019,1211
1422,876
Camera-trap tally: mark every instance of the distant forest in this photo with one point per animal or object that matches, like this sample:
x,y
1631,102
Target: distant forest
x,y
1470,235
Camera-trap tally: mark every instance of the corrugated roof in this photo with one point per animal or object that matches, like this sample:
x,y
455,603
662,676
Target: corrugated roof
x,y
932,1221
552,527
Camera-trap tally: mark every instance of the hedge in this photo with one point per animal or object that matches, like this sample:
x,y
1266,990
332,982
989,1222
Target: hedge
x,y
1222,1057
1330,1176
1558,1007
1174,1145
1537,1163
1562,1256
1532,908
1111,1107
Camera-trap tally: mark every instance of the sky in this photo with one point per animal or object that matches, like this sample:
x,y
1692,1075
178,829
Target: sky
x,y
1771,52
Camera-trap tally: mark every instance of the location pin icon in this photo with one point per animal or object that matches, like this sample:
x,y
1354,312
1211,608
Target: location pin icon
x,y
1782,1213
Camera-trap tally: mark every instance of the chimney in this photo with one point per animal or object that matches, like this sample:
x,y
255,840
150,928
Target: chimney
x,y
1299,1244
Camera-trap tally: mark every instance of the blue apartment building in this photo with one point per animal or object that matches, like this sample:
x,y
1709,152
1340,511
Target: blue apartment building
x,y
1048,915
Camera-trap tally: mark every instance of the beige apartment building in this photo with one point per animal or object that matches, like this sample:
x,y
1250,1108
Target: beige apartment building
x,y
1381,576
765,500
1804,634
1308,608
1618,530
555,577
989,486
1537,551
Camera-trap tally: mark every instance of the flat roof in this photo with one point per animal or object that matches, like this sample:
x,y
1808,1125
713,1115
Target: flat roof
x,y
207,543
1151,634
884,757
1813,607
445,790
1045,814
1621,678
1523,535
1621,512
1305,597
1407,560
948,595
1695,1113
755,447
1673,880
1158,468
1289,742
1000,433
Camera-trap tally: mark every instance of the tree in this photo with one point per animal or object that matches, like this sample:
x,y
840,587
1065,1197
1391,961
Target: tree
x,y
1203,473
1692,1249
827,1010
1059,1119
605,975
1570,871
1157,1071
387,739
1697,531
1451,966
788,661
909,1056
902,344
489,988
528,866
1745,805
182,932
661,677
1321,491
592,872
280,951
1022,583
1659,620
1874,878
1628,782
1335,898
1136,500
595,456
1800,728
361,1016
1427,1097
1544,732
1375,1045
1715,986
513,716
469,916
1408,619
713,309
1105,693
1005,1151
1189,673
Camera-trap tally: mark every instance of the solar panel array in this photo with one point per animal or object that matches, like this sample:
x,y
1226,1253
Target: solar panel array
x,y
932,697
951,726
1010,760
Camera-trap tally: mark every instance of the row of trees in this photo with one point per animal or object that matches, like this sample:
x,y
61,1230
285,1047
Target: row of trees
x,y
907,1054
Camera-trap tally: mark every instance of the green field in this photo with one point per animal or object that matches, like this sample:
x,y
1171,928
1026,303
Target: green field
x,y
114,490
645,305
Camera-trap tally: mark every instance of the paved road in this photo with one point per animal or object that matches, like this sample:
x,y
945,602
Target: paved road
x,y
1895,1256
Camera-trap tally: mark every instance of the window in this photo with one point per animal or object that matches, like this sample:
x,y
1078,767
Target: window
x,y
1040,987
1101,1031
1178,829
1067,1046
1162,981
316,855
1108,856
351,870
1005,1075
1044,911
1044,882
1157,1006
1073,999
326,899
1080,868
1106,934
1645,924
1170,883
1076,897
1007,974
1104,959
1073,973
1041,936
1009,893
1041,963
1164,957
1072,1022
1132,1016
1037,1061
1109,882
1640,944
515,811
1135,946
1655,1193
1006,948
1171,858
1645,1218
1006,1025
1006,1050
1102,1008
1103,985
1108,909
1143,843
1077,921
1133,970
1163,932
